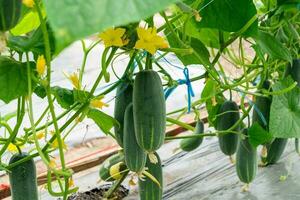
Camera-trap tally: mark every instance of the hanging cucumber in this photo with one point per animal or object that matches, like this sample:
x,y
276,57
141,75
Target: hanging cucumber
x,y
297,146
261,111
246,160
294,71
123,99
190,144
228,115
275,150
149,110
148,189
107,164
10,11
135,157
23,179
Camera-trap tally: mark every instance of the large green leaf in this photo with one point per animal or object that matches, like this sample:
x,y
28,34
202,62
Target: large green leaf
x,y
227,15
75,19
285,111
271,46
258,135
104,121
13,79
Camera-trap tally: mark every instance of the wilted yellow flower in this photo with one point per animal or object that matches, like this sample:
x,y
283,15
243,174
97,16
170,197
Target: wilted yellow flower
x,y
40,135
98,103
55,144
74,80
28,3
113,37
71,182
149,40
41,65
52,163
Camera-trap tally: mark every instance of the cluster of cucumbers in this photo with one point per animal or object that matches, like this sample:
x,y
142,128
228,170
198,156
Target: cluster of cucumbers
x,y
141,111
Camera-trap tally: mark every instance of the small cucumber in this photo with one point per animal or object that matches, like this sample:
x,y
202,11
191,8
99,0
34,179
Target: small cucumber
x,y
228,115
246,160
23,179
190,144
261,112
104,172
148,189
275,150
10,11
123,99
135,157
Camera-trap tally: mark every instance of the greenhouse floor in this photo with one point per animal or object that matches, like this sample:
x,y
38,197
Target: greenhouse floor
x,y
207,174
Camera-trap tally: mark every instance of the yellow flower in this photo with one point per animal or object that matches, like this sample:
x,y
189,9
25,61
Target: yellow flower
x,y
55,144
71,182
52,163
98,103
12,148
74,80
28,3
40,135
41,65
149,40
113,37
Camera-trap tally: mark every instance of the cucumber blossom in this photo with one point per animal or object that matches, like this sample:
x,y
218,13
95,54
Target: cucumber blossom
x,y
23,179
135,156
149,110
246,160
228,115
190,144
123,99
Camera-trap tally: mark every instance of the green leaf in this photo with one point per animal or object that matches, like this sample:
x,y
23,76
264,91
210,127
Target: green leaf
x,y
13,79
104,121
195,44
64,97
33,42
271,46
285,111
228,15
29,22
258,135
210,89
76,19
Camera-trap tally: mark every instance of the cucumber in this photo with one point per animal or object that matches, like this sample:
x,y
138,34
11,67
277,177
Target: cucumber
x,y
149,190
10,11
294,71
228,115
135,157
23,179
261,113
104,172
275,150
149,110
246,160
190,144
123,99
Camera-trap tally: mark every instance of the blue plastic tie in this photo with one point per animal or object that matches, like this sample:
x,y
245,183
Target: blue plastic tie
x,y
189,88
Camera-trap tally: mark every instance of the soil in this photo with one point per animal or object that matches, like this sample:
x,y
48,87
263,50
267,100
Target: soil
x,y
97,193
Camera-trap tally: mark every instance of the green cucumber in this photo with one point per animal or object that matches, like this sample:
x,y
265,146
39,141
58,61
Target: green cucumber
x,y
246,160
149,110
10,11
228,115
261,112
148,189
104,172
135,157
190,144
275,150
294,71
123,99
23,179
